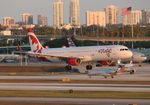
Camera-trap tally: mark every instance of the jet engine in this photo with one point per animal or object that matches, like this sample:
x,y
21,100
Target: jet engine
x,y
74,61
105,62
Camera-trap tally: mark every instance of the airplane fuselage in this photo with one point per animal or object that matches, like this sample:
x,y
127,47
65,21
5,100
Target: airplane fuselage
x,y
91,53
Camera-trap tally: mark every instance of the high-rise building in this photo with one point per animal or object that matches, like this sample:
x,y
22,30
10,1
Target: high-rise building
x,y
75,12
58,13
42,20
133,18
27,18
145,17
148,17
8,21
95,18
111,14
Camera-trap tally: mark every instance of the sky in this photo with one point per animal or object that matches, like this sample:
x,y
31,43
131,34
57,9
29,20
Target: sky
x,y
14,8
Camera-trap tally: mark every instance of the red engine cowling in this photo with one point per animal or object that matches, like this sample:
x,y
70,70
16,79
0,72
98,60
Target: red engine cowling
x,y
73,61
104,62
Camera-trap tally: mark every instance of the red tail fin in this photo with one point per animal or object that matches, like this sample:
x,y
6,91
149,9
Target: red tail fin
x,y
35,45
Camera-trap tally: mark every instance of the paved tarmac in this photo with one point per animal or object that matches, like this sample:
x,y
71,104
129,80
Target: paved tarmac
x,y
77,101
79,87
142,74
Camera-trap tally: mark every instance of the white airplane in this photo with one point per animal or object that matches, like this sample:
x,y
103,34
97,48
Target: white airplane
x,y
75,56
110,72
127,67
119,69
138,57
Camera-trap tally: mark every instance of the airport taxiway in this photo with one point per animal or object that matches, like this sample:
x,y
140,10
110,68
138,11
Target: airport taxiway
x,y
75,101
142,74
77,87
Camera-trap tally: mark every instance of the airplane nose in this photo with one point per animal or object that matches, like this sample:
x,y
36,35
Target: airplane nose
x,y
130,54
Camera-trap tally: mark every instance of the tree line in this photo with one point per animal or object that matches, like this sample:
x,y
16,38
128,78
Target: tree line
x,y
90,31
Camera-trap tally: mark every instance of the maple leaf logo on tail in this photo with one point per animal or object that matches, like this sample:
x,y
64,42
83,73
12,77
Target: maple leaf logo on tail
x,y
33,39
35,45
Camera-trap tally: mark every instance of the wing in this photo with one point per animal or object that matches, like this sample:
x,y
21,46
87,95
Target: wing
x,y
61,57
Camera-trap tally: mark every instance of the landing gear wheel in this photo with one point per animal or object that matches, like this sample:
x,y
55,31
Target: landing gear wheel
x,y
89,67
112,76
68,68
132,72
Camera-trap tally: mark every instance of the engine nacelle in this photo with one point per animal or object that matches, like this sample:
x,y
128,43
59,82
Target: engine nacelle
x,y
104,62
73,61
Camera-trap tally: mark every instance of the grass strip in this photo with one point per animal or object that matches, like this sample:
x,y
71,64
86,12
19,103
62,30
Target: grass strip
x,y
76,94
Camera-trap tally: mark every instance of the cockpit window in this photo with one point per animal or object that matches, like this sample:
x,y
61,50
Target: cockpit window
x,y
125,49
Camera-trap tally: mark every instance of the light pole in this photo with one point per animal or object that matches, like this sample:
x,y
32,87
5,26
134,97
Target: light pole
x,y
93,30
132,30
81,34
74,27
132,36
97,31
54,32
74,32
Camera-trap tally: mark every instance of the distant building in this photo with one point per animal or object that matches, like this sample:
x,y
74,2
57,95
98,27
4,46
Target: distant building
x,y
5,32
133,18
111,14
8,21
148,17
67,26
145,17
75,12
95,18
27,18
42,20
58,13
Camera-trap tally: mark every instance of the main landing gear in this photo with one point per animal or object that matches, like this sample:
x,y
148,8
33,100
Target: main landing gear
x,y
69,67
132,71
89,67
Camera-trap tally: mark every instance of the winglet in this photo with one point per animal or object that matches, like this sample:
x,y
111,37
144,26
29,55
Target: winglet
x,y
30,30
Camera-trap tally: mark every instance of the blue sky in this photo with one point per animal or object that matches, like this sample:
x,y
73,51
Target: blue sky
x,y
14,8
